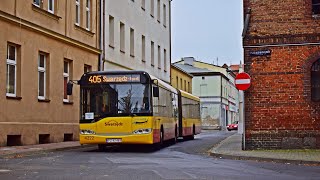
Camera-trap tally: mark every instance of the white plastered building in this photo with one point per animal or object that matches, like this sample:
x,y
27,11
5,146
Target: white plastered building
x,y
136,35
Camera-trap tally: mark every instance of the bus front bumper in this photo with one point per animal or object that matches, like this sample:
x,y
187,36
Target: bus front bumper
x,y
123,139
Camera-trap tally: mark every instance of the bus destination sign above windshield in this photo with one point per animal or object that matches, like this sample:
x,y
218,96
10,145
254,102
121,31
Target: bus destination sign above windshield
x,y
98,79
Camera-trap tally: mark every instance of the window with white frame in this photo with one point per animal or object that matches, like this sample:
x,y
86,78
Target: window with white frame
x,y
37,2
11,75
78,12
42,76
66,75
88,14
51,6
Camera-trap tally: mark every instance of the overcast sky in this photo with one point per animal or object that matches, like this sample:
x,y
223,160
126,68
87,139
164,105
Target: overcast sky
x,y
207,29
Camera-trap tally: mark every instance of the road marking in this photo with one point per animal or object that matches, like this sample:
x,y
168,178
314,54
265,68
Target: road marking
x,y
4,170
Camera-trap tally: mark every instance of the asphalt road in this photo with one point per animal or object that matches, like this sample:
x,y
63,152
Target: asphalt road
x,y
184,160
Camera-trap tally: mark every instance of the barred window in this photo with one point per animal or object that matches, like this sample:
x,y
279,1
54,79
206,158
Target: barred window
x,y
315,81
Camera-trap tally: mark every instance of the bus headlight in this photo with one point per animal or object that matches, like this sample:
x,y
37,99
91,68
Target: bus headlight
x,y
142,131
86,132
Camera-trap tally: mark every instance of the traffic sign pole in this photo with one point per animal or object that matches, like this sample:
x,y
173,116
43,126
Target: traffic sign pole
x,y
243,82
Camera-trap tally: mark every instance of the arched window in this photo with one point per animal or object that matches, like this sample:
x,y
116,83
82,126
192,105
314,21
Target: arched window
x,y
315,81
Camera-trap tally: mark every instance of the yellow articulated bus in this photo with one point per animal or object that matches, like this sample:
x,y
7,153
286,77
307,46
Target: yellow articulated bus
x,y
133,107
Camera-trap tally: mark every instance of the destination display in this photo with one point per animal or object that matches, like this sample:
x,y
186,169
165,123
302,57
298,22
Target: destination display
x,y
97,79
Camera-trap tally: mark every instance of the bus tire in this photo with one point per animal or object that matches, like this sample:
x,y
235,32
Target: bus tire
x,y
175,139
191,137
193,133
160,143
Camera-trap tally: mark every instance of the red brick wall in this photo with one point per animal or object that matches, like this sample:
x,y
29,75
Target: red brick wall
x,y
279,112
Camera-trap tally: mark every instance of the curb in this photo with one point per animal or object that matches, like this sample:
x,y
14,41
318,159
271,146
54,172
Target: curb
x,y
284,161
212,152
39,151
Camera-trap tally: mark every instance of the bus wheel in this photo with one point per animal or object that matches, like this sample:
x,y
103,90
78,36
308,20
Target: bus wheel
x,y
161,137
160,143
102,147
175,136
193,133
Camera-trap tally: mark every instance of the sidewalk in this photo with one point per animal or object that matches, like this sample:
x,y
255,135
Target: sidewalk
x,y
230,148
20,151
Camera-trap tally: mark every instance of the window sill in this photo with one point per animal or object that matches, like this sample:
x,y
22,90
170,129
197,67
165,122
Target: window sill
x,y
67,103
14,97
46,13
44,100
79,28
111,46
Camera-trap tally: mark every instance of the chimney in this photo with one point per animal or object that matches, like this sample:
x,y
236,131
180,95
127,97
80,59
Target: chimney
x,y
188,60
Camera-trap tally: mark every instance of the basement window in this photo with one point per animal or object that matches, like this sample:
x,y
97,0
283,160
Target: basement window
x,y
315,81
14,140
44,138
68,137
316,7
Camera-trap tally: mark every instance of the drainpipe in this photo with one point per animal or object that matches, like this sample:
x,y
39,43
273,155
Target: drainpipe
x,y
101,35
246,23
170,30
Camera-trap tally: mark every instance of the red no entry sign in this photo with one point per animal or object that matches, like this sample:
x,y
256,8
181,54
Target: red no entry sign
x,y
243,81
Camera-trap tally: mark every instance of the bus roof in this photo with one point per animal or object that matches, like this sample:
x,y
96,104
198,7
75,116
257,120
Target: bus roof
x,y
190,96
164,84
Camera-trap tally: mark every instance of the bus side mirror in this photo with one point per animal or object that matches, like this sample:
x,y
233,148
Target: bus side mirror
x,y
155,91
69,88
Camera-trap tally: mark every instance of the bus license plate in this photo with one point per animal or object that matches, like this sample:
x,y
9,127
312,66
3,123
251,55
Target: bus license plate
x,y
114,140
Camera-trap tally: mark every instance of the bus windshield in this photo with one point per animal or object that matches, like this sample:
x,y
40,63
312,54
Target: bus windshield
x,y
107,100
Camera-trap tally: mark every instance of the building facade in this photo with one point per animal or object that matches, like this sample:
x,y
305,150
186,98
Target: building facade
x,y
137,36
180,79
282,56
214,85
43,45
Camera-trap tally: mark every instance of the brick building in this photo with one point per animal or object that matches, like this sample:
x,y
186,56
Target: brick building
x,y
282,56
